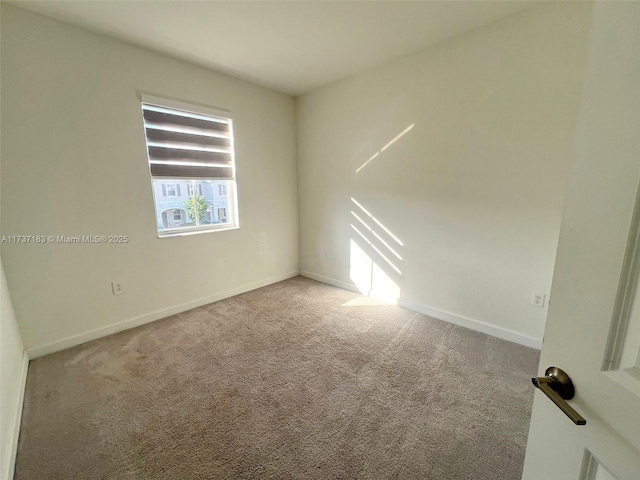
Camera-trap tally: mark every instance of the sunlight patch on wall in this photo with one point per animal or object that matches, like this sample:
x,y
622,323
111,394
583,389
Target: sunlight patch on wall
x,y
360,269
394,140
382,287
374,258
382,255
371,280
378,222
380,239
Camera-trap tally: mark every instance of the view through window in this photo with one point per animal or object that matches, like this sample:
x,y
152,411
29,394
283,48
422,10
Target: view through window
x,y
198,204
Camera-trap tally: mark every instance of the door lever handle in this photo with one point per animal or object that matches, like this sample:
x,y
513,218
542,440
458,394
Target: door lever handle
x,y
557,385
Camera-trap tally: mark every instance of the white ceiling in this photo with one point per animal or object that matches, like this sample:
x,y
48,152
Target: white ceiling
x,y
292,47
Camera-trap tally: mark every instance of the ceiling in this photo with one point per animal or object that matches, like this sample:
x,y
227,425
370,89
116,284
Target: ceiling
x,y
292,47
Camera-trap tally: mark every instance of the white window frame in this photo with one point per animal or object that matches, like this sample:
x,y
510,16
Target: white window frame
x,y
231,184
174,187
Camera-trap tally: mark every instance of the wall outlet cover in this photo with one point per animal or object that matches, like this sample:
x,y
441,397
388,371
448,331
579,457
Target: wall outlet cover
x,y
117,288
537,300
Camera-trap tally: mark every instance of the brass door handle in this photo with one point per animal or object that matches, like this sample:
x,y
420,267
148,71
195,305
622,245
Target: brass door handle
x,y
557,385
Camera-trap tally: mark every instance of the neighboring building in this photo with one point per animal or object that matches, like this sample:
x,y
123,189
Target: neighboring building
x,y
171,196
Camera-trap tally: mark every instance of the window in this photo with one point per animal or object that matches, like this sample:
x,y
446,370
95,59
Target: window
x,y
191,161
191,190
170,190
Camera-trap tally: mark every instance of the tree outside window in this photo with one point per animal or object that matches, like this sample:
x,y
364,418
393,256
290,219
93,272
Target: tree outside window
x,y
197,208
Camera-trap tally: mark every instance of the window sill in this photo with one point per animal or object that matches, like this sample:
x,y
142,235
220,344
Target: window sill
x,y
184,233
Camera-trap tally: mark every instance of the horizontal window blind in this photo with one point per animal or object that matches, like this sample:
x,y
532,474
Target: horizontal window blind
x,y
182,143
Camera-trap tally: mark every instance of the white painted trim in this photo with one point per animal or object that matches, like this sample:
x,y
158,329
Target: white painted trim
x,y
470,323
14,429
184,106
74,340
473,324
331,281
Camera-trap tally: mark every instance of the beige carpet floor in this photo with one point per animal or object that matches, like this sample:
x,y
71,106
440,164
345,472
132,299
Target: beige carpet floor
x,y
291,381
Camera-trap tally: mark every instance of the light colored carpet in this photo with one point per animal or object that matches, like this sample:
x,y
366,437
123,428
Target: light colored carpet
x,y
284,382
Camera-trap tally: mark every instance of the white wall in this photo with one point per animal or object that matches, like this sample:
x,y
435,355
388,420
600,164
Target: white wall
x,y
74,163
13,373
473,189
13,370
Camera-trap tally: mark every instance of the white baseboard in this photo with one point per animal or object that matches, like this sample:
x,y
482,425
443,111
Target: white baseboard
x,y
470,323
330,281
14,429
149,317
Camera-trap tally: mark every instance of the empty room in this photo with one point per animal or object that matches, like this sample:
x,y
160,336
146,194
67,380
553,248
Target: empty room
x,y
320,240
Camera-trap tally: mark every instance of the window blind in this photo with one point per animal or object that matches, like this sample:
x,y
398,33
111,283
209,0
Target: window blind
x,y
183,143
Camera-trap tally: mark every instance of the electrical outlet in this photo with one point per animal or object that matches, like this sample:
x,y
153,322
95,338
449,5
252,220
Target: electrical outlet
x,y
537,300
117,288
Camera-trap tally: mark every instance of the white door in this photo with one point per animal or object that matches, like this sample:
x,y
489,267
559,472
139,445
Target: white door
x,y
593,325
